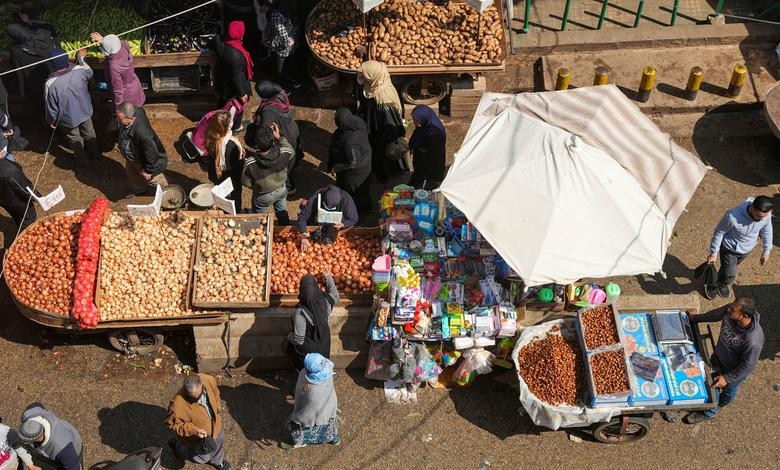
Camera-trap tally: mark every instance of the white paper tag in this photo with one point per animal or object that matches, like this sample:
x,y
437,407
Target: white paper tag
x,y
147,210
220,193
50,200
327,217
366,5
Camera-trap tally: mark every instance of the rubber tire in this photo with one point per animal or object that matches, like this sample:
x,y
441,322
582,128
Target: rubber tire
x,y
638,428
409,99
150,341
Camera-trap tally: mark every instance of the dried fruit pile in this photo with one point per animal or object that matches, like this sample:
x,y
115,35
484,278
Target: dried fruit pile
x,y
599,327
232,265
41,264
145,266
552,369
406,32
609,372
349,260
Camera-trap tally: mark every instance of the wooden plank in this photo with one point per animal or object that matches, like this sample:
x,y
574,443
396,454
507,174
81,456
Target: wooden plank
x,y
174,59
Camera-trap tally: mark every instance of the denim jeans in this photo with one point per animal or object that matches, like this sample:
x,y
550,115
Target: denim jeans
x,y
10,157
724,396
262,202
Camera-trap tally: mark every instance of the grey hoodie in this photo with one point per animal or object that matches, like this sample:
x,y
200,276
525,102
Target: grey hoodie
x,y
62,443
738,349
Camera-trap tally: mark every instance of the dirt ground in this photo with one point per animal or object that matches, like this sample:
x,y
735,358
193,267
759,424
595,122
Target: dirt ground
x,y
118,403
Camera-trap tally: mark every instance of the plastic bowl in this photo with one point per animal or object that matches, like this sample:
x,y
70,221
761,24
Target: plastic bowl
x,y
173,197
201,195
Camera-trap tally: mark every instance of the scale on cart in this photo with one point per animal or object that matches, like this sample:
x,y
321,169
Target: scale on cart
x,y
672,327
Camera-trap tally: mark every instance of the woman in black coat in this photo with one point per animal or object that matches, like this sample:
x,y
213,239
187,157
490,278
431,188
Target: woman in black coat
x,y
13,197
234,69
350,157
428,147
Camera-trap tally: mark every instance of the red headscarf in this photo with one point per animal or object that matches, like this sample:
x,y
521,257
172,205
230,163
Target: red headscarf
x,y
235,36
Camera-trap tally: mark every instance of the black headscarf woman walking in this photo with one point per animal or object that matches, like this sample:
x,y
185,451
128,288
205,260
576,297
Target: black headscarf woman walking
x,y
311,333
350,157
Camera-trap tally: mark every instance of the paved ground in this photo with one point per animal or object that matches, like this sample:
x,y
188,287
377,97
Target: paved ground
x,y
584,14
118,403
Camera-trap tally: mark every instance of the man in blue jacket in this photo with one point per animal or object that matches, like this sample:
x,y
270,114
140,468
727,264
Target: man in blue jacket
x,y
735,237
50,439
736,353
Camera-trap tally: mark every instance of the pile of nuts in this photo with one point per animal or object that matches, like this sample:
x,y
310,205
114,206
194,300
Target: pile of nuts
x,y
552,369
405,32
41,264
232,263
609,372
599,329
144,266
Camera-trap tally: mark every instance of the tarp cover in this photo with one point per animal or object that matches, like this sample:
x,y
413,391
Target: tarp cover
x,y
568,219
555,208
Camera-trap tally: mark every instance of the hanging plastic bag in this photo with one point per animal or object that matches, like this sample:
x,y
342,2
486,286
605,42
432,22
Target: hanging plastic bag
x,y
427,368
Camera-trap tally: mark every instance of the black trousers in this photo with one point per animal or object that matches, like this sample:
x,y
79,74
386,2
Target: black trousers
x,y
729,261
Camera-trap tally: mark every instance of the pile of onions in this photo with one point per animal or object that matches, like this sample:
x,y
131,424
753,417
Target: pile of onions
x,y
232,265
349,260
84,309
144,266
41,264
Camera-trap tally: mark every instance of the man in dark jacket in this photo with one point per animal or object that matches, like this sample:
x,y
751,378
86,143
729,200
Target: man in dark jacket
x,y
13,193
51,439
330,199
265,173
736,353
145,155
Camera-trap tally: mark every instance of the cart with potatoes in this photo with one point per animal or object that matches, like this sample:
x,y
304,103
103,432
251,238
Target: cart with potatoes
x,y
610,424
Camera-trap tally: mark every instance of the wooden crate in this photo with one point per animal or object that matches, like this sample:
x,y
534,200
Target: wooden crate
x,y
465,96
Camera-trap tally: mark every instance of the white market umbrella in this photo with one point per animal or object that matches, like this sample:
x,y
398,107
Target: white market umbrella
x,y
555,208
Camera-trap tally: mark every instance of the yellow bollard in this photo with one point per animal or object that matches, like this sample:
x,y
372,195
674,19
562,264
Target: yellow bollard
x,y
602,75
694,83
564,75
646,84
737,80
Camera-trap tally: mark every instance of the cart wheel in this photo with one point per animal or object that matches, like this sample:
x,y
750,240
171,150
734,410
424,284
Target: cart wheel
x,y
423,90
618,432
141,342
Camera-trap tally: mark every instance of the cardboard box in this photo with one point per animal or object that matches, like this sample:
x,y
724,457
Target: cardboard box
x,y
686,386
638,333
651,393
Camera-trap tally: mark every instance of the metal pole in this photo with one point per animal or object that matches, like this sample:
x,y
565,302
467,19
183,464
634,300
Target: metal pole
x,y
527,17
602,76
639,13
694,83
604,6
737,80
674,12
719,7
509,9
646,84
562,82
566,15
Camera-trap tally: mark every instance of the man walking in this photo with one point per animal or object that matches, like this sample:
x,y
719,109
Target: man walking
x,y
50,439
69,105
735,237
736,354
195,415
144,153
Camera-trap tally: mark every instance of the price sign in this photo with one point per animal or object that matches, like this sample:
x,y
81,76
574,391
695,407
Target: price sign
x,y
50,200
220,193
147,210
366,5
480,5
327,217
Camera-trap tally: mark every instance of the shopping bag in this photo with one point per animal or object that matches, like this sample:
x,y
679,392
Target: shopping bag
x,y
379,360
397,149
706,273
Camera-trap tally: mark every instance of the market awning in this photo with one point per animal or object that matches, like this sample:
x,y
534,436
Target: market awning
x,y
554,207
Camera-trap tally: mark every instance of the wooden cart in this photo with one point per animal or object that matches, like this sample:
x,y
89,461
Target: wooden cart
x,y
429,84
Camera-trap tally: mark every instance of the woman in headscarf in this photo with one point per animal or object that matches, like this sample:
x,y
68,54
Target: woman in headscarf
x,y
350,157
225,154
315,417
428,147
380,107
125,85
234,68
275,108
284,35
311,332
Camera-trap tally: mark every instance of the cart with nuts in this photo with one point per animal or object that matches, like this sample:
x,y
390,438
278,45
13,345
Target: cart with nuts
x,y
426,46
576,373
154,273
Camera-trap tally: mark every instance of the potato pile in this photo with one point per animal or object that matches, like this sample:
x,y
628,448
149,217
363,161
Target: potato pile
x,y
41,264
599,329
144,266
552,369
232,263
405,32
609,372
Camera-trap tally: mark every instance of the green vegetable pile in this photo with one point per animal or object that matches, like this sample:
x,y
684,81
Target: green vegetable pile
x,y
70,18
